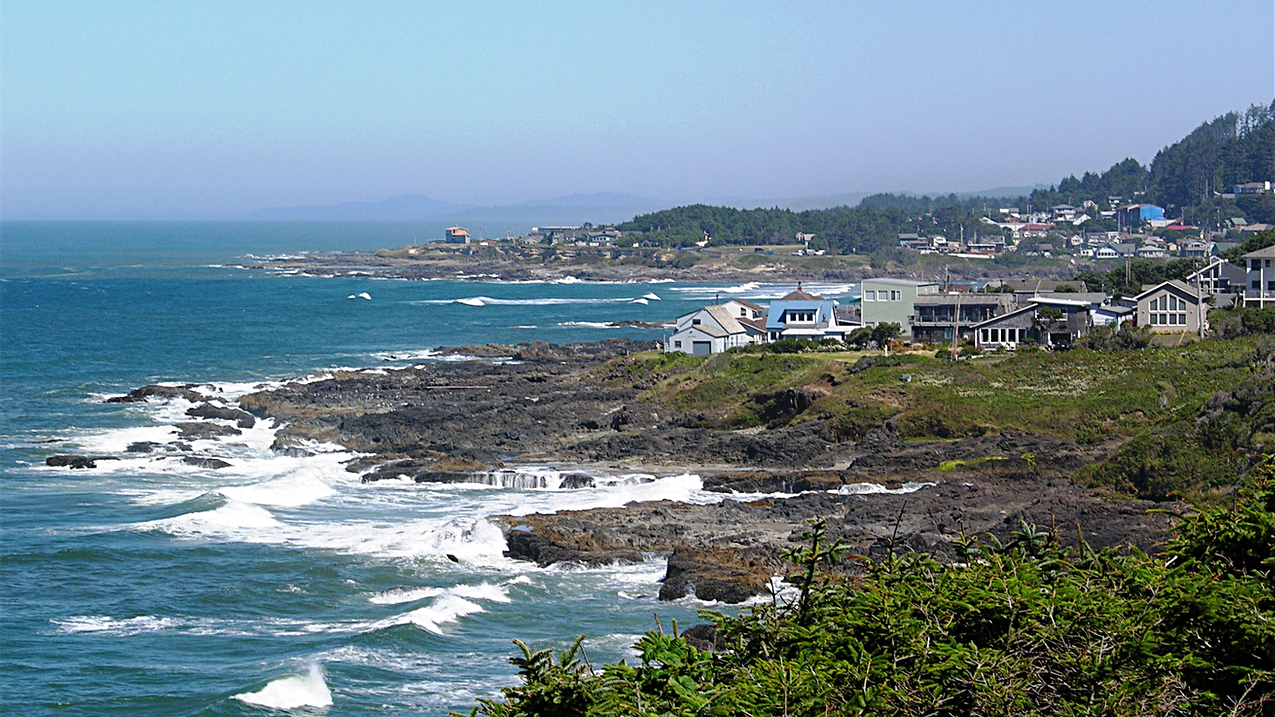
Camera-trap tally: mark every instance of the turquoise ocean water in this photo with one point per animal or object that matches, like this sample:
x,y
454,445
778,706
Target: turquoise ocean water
x,y
281,584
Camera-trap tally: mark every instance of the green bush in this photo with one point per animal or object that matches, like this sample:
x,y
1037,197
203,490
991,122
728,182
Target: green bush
x,y
1023,627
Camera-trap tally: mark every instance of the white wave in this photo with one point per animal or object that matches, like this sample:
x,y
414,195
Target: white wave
x,y
290,491
651,296
874,489
568,280
294,692
446,609
660,281
587,324
232,519
112,626
643,302
547,301
366,296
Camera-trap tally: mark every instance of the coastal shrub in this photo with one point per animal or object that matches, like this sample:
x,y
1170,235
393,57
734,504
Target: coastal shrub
x,y
1125,337
1020,627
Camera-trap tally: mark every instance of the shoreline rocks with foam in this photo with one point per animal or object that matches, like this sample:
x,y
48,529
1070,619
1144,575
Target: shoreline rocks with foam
x,y
483,421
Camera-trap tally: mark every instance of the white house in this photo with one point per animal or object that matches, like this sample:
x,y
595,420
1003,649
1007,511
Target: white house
x,y
713,329
1260,289
799,315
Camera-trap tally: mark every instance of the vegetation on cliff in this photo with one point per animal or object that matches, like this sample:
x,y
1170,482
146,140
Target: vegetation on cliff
x,y
1023,627
1189,419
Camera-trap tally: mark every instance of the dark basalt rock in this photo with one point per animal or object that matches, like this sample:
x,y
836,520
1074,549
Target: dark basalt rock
x,y
210,410
704,637
204,431
724,575
142,447
139,395
205,462
72,461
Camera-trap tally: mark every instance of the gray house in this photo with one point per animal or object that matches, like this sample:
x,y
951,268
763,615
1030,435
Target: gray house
x,y
890,301
1172,307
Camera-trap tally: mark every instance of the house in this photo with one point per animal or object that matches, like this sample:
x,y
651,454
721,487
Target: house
x,y
1171,307
710,330
1259,288
890,301
799,315
1135,215
456,235
1219,277
1151,251
1252,188
1116,250
1195,249
934,316
1060,322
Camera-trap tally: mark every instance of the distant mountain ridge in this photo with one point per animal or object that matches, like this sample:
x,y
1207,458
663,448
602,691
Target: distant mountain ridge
x,y
600,207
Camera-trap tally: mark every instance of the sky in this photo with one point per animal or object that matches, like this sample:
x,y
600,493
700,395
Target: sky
x,y
197,110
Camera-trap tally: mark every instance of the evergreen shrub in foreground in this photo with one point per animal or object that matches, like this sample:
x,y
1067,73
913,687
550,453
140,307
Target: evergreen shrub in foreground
x,y
1023,628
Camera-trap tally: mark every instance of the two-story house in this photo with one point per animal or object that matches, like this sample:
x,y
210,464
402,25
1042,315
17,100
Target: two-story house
x,y
800,315
1259,291
891,301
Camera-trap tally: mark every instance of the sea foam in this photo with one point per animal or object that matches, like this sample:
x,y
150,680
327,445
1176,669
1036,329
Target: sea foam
x,y
294,692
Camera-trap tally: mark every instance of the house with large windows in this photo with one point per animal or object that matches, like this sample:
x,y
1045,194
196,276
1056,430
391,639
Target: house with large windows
x,y
1171,307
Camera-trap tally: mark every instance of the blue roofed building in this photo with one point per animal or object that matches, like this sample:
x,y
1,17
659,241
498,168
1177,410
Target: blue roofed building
x,y
804,316
1134,215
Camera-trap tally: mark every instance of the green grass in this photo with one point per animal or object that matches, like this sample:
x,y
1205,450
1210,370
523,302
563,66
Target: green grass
x,y
1154,396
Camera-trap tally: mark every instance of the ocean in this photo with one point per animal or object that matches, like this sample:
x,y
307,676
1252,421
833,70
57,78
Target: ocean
x,y
146,586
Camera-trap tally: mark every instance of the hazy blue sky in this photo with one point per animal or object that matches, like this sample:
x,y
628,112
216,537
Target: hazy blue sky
x,y
207,109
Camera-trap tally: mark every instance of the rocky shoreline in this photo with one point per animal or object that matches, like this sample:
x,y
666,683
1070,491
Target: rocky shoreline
x,y
543,404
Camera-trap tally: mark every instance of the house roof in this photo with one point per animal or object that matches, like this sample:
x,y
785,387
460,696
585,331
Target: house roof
x,y
1182,288
722,316
757,324
1033,284
800,295
749,304
708,329
1266,253
1002,317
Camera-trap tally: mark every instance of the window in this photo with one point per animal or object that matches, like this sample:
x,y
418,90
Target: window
x,y
694,322
677,344
1257,284
896,296
869,296
986,335
743,311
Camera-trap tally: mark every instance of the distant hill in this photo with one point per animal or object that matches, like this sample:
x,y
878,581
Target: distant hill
x,y
572,209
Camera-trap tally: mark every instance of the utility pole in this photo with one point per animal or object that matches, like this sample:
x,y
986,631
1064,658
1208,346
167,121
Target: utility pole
x,y
956,326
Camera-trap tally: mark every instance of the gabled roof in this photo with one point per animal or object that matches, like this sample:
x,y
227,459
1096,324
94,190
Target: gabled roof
x,y
708,329
1266,253
724,319
1181,287
749,304
756,324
